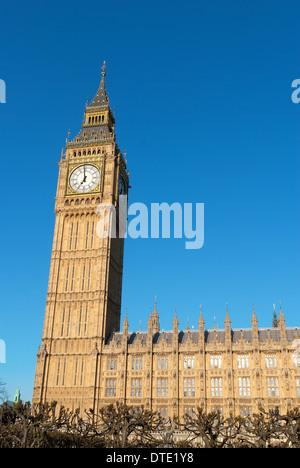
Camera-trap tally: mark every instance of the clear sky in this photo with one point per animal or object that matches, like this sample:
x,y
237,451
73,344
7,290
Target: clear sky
x,y
202,95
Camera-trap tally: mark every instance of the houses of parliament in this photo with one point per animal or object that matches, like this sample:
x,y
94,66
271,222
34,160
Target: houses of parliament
x,y
86,360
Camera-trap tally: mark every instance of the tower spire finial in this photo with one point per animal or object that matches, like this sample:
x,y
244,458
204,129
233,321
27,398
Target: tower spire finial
x,y
103,68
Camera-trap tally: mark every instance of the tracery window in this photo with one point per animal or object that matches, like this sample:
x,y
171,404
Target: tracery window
x,y
111,387
216,387
162,363
136,387
244,386
162,387
189,362
112,364
137,363
271,361
243,362
215,362
272,387
189,387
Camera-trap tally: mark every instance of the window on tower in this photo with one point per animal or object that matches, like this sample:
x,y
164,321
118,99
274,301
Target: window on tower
x,y
216,387
136,387
189,362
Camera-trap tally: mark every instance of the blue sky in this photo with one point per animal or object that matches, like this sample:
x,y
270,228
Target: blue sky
x,y
202,95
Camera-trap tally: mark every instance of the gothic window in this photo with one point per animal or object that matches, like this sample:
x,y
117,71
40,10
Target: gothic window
x,y
274,410
189,411
298,387
111,387
58,371
92,234
189,362
65,323
216,387
243,362
245,411
89,277
87,235
136,387
81,371
162,363
76,370
215,362
82,321
271,361
189,387
162,411
64,373
112,364
79,321
244,386
67,278
272,387
68,323
137,363
71,235
137,410
76,235
296,359
72,279
83,278
217,409
62,323
162,387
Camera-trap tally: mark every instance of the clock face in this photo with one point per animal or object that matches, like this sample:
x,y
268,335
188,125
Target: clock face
x,y
122,190
85,178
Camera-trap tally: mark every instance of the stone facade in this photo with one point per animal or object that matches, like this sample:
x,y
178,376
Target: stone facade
x,y
86,362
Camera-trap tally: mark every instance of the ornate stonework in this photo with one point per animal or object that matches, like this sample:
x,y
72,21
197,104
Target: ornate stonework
x,y
86,362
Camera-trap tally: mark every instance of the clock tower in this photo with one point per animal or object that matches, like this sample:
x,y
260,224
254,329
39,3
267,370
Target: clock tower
x,y
83,305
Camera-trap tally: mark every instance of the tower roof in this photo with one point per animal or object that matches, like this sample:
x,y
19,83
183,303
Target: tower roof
x,y
93,129
100,100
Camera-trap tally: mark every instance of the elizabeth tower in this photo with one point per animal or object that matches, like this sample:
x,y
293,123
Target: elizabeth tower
x,y
83,304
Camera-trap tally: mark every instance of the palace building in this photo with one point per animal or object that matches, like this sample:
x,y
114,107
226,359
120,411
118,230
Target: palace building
x,y
85,361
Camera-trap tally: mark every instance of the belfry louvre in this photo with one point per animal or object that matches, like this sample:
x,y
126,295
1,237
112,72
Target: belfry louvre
x,y
86,362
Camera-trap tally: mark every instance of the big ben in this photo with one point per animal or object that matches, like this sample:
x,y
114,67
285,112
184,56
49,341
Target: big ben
x,y
86,362
83,305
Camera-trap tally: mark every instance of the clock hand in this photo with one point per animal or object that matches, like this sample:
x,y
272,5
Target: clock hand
x,y
84,176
